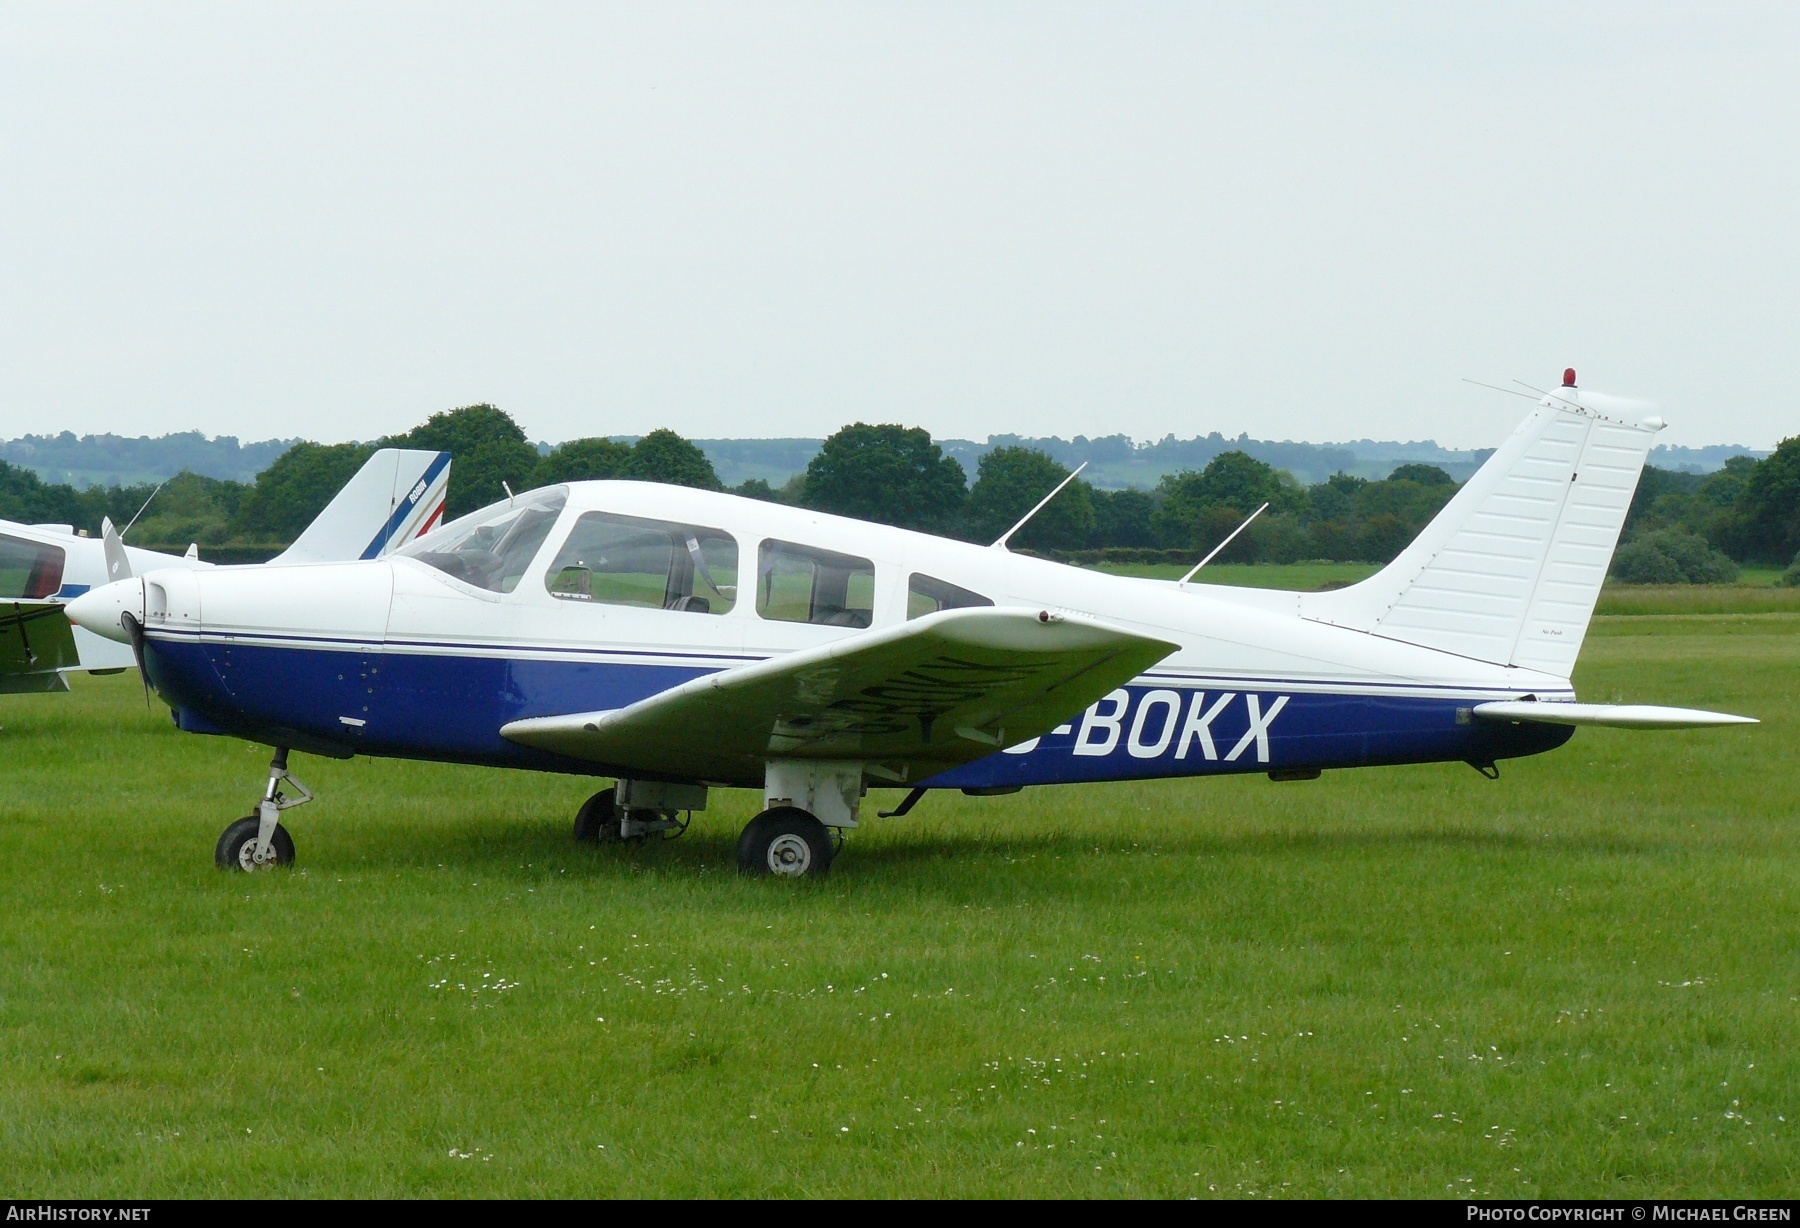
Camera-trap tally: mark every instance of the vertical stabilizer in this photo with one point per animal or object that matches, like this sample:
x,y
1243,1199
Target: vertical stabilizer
x,y
397,495
112,544
1510,570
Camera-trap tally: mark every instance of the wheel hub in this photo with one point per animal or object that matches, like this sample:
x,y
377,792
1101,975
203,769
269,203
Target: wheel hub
x,y
789,855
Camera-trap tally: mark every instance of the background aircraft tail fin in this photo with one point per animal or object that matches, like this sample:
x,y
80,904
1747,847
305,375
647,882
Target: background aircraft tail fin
x,y
397,495
1510,570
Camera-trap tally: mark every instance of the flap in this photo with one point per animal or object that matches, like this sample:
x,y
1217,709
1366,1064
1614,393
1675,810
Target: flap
x,y
910,701
1620,716
35,638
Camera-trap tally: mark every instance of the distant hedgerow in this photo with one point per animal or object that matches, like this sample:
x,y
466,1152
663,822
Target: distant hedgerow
x,y
1672,556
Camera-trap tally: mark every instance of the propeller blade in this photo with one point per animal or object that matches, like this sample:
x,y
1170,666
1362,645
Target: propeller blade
x,y
135,630
118,567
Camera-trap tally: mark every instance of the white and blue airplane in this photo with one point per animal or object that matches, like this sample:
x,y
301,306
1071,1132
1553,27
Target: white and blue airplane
x,y
397,495
603,628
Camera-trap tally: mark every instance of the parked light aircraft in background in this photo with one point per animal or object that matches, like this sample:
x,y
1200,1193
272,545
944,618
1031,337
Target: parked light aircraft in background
x,y
678,640
397,495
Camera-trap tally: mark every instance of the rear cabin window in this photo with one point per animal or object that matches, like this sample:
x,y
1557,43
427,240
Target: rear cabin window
x,y
494,547
799,584
927,595
652,564
29,569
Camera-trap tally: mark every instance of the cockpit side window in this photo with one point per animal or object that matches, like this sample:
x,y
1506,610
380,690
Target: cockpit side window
x,y
29,570
927,595
801,584
494,547
653,564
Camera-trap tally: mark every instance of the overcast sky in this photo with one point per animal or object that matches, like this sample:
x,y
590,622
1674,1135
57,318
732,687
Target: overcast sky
x,y
1304,222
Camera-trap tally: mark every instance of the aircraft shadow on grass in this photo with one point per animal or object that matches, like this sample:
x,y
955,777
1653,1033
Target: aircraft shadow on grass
x,y
1045,863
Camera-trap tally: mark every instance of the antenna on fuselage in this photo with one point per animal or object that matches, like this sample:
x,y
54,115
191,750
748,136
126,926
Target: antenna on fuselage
x,y
508,489
140,511
1182,583
1007,536
1511,392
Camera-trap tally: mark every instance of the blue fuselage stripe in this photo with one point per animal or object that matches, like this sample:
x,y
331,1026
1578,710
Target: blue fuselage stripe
x,y
451,706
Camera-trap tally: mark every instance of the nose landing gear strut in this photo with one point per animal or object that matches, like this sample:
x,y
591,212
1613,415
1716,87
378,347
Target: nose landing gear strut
x,y
259,840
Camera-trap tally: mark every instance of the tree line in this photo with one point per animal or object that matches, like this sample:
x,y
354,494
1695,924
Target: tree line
x,y
123,460
1681,527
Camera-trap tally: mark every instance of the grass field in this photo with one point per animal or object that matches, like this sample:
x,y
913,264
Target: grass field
x,y
1698,599
1301,577
1580,980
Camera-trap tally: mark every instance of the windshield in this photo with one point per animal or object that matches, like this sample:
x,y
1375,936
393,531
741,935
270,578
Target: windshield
x,y
492,548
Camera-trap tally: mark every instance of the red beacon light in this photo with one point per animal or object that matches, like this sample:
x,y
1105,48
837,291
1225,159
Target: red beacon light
x,y
1568,377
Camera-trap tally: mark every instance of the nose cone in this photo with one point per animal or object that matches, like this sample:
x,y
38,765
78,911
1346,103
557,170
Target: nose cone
x,y
100,609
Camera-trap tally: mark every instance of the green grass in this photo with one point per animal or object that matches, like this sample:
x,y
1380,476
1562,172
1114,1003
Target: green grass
x,y
1668,599
1299,577
1580,980
1762,577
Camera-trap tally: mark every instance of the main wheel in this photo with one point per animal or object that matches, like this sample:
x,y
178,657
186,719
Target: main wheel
x,y
787,842
237,847
597,822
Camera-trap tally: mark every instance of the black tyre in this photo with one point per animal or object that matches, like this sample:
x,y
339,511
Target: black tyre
x,y
788,843
235,846
597,822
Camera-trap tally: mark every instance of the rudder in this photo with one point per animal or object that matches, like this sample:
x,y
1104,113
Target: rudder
x,y
1510,570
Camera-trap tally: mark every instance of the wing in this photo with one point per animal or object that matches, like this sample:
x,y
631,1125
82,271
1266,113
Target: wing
x,y
911,700
35,642
1619,716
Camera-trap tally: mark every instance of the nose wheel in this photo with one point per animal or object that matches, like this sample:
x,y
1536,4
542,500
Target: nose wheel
x,y
240,845
259,841
785,842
